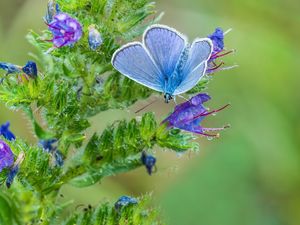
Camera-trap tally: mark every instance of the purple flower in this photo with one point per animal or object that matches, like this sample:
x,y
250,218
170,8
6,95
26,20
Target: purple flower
x,y
5,132
217,39
95,39
65,29
14,170
148,161
30,69
218,51
188,116
124,201
6,156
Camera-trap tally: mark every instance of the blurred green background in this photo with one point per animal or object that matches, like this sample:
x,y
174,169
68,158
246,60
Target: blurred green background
x,y
248,176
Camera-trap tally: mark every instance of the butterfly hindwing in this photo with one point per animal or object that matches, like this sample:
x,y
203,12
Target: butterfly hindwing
x,y
165,46
196,64
134,61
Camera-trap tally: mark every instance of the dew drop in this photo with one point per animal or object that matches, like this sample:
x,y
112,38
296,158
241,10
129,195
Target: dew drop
x,y
210,138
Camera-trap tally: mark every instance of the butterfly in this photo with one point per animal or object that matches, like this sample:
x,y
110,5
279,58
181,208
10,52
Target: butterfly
x,y
165,61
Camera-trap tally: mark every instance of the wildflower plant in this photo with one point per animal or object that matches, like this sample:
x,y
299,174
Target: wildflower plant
x,y
69,80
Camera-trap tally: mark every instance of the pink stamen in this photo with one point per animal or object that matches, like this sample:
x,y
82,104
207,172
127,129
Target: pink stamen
x,y
212,112
226,53
216,55
216,66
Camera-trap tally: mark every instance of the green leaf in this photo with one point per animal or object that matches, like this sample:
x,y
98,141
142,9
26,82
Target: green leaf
x,y
6,214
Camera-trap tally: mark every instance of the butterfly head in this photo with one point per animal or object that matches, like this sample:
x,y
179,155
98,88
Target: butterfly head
x,y
168,97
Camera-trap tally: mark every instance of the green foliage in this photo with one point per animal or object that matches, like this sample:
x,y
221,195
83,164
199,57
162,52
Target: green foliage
x,y
74,84
105,214
118,149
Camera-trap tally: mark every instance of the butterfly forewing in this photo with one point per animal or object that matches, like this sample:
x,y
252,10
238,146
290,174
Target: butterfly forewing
x,y
196,64
165,46
134,61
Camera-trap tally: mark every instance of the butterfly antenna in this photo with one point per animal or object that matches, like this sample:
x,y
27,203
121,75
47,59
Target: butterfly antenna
x,y
144,107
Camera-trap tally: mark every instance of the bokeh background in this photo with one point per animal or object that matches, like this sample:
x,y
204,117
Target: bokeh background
x,y
248,176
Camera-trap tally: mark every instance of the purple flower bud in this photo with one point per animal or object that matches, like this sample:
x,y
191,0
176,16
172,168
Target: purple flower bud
x,y
6,156
95,39
5,132
52,10
149,162
14,170
188,116
30,69
124,201
65,29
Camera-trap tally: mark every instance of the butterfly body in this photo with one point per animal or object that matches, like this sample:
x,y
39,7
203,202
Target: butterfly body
x,y
164,62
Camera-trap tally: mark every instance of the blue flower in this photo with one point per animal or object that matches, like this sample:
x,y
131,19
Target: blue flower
x,y
188,116
10,68
148,161
30,69
95,39
14,170
6,156
5,132
65,29
124,201
48,147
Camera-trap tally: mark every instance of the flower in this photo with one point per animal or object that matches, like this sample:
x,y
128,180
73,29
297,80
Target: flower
x,y
124,201
9,68
47,145
65,29
51,11
217,39
188,116
6,156
5,132
30,69
95,39
14,170
149,162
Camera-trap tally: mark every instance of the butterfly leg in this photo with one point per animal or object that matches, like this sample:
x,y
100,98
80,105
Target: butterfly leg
x,y
183,97
175,100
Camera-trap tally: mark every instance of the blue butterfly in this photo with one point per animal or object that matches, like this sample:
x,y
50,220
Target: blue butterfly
x,y
164,62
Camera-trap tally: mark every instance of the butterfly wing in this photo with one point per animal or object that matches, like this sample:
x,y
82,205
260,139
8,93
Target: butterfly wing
x,y
165,46
134,61
196,64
